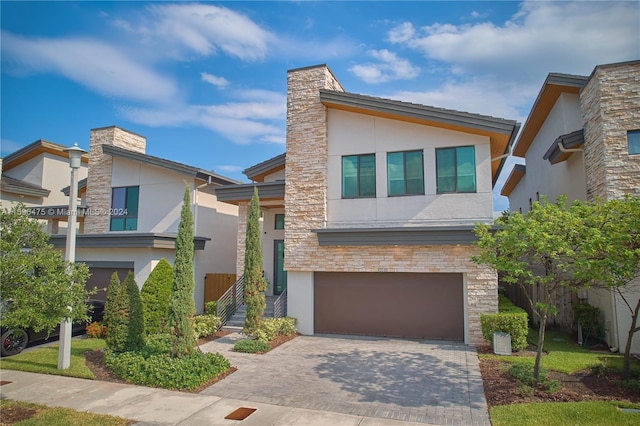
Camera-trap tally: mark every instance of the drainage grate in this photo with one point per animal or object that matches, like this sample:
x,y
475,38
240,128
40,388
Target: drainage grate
x,y
240,413
629,410
4,382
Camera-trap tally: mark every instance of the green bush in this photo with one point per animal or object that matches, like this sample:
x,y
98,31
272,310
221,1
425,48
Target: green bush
x,y
269,328
523,373
155,295
123,315
134,315
510,319
157,370
206,325
210,308
250,346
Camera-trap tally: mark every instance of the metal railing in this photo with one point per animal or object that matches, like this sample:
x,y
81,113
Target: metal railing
x,y
280,305
230,301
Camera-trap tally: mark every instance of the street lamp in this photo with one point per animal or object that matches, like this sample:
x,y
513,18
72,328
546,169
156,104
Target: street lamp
x,y
75,158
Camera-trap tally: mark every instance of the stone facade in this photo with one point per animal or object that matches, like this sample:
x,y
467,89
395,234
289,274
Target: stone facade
x,y
306,209
243,216
99,177
610,104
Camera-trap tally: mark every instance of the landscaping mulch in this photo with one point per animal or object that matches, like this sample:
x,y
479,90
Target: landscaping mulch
x,y
501,388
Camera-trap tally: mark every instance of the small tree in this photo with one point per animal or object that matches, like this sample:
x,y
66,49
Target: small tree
x,y
254,282
35,277
113,319
616,262
155,295
181,304
543,249
135,314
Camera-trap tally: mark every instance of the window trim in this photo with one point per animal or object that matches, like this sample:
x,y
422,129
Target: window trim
x,y
124,216
404,172
275,220
475,174
633,132
358,189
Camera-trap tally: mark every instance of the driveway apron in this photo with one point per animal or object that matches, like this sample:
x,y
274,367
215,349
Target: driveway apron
x,y
411,380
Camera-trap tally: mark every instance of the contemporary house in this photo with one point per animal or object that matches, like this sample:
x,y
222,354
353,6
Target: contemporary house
x,y
130,211
35,176
378,199
582,139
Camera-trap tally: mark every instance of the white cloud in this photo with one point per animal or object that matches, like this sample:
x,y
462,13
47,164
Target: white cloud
x,y
219,82
181,30
569,37
258,119
389,67
91,63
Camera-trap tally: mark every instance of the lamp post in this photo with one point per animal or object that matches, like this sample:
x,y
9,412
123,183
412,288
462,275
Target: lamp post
x,y
75,158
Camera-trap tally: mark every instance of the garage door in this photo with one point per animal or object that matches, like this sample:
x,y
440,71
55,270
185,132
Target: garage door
x,y
428,306
100,278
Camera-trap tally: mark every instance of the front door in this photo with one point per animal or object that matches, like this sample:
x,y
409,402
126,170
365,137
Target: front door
x,y
280,275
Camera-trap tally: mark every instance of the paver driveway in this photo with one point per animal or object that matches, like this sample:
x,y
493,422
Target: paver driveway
x,y
420,381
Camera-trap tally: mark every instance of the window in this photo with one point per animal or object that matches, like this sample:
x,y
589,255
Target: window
x,y
633,138
279,221
456,169
124,208
359,176
405,173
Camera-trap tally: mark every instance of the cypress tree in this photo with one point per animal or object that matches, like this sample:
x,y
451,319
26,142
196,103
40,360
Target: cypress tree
x,y
155,295
181,304
133,314
254,282
114,305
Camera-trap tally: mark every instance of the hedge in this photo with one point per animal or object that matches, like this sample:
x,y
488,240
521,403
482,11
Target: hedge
x,y
510,319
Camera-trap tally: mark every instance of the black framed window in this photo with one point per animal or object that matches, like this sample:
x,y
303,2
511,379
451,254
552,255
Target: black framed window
x,y
405,173
359,176
633,139
456,169
124,208
279,221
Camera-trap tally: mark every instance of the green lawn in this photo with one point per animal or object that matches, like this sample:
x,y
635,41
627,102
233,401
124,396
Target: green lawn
x,y
41,415
45,360
594,413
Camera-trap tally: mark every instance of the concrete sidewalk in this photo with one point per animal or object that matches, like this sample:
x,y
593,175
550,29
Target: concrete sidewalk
x,y
151,406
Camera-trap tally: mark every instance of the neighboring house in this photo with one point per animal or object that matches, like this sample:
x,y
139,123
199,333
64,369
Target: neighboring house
x,y
379,200
582,140
131,211
36,175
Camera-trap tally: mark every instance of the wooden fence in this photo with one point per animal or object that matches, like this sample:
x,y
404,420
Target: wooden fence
x,y
216,284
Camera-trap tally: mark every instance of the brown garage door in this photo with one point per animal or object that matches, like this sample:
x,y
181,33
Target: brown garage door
x,y
428,306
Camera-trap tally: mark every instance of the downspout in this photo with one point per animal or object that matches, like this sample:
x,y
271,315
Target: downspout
x,y
500,157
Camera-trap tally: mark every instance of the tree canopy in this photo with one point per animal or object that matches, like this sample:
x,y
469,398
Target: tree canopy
x,y
37,283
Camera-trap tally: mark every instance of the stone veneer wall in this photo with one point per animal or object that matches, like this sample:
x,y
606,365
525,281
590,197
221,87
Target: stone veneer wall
x,y
305,201
243,216
610,104
99,174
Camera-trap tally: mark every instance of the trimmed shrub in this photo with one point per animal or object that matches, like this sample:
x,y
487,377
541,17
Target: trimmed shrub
x,y
134,315
210,308
113,318
206,325
155,295
158,370
251,346
510,319
96,330
269,328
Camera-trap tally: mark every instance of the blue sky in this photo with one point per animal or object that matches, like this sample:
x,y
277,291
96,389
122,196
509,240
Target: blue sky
x,y
206,82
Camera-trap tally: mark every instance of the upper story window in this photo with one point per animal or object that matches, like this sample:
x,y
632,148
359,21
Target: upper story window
x,y
405,173
279,221
359,176
456,169
124,208
633,138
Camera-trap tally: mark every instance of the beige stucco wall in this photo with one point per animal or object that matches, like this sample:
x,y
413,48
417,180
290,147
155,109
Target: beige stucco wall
x,y
542,178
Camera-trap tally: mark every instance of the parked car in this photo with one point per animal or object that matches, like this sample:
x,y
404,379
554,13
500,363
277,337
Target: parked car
x,y
14,340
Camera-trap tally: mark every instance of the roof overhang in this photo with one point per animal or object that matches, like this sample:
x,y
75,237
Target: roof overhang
x,y
33,150
516,174
405,236
564,146
554,85
134,240
20,187
258,172
501,132
194,172
235,194
82,187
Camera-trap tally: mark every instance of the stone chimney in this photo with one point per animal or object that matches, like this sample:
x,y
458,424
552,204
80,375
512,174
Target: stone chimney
x,y
98,196
306,165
